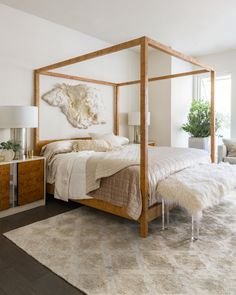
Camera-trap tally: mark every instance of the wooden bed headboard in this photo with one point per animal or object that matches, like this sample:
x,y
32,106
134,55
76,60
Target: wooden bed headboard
x,y
39,144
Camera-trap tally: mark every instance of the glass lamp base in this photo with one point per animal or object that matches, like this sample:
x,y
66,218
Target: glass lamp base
x,y
136,134
18,136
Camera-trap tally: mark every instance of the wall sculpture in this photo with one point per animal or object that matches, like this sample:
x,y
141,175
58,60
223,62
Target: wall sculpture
x,y
82,105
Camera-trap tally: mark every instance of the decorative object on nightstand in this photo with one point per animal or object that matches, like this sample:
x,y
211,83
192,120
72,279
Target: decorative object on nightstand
x,y
22,185
30,154
8,150
134,120
18,118
6,155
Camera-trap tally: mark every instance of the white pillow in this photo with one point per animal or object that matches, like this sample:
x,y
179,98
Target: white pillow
x,y
57,147
109,137
97,145
122,140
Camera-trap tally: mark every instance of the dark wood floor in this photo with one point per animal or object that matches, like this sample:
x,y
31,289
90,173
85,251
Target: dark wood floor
x,y
20,274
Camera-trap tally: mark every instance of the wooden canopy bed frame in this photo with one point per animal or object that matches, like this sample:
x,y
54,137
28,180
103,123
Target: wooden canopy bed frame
x,y
148,213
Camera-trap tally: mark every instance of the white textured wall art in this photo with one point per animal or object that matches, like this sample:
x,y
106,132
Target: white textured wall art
x,y
82,105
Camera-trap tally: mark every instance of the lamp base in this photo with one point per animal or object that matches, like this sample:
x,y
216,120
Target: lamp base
x,y
18,136
137,134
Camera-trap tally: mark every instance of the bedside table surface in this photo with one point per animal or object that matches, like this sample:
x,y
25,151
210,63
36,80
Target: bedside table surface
x,y
23,160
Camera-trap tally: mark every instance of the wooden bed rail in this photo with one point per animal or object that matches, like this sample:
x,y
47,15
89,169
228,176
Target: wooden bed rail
x,y
153,79
122,46
168,50
77,78
91,55
107,83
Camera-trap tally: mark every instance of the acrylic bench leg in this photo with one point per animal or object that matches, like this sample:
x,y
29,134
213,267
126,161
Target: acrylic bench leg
x,y
195,229
165,215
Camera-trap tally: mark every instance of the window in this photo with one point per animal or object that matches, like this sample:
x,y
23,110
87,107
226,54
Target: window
x,y
222,99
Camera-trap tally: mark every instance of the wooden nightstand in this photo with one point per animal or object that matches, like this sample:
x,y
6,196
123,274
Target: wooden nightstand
x,y
22,185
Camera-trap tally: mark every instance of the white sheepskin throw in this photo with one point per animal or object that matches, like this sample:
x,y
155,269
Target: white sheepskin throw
x,y
199,187
81,104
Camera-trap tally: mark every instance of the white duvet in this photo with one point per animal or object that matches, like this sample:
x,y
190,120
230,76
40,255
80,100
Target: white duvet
x,y
68,171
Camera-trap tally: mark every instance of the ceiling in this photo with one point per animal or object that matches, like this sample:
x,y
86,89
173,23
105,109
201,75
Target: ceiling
x,y
195,27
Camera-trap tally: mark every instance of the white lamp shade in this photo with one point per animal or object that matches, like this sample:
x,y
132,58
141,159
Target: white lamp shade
x,y
134,119
18,117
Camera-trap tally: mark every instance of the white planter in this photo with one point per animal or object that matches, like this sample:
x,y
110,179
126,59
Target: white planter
x,y
6,155
199,143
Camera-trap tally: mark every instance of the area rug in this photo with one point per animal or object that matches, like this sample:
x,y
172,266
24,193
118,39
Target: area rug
x,y
103,254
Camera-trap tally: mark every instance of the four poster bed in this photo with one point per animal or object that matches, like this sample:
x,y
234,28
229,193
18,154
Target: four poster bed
x,y
148,213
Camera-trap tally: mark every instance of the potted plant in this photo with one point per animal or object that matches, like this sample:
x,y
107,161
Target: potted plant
x,y
198,125
8,150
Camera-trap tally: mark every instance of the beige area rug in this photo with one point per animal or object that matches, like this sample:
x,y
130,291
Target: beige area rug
x,y
103,254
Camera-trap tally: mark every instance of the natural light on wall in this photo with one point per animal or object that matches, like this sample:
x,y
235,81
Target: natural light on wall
x,y
222,99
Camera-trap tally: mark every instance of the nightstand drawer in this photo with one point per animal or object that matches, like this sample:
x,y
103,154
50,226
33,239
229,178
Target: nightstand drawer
x,y
4,187
30,181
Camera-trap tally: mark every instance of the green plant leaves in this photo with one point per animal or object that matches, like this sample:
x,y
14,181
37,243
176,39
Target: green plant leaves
x,y
10,146
199,117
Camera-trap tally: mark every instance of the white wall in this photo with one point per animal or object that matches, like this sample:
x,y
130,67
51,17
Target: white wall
x,y
225,63
169,100
29,42
181,98
160,99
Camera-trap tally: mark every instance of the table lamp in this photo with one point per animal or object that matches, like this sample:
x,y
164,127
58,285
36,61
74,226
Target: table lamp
x,y
17,119
134,120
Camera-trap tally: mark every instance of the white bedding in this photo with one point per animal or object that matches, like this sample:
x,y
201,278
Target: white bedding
x,y
68,171
69,176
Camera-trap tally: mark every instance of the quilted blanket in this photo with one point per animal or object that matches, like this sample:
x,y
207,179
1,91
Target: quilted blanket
x,y
162,162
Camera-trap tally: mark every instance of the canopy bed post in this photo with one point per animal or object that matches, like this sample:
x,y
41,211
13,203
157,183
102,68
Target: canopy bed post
x,y
212,116
36,102
144,136
116,109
